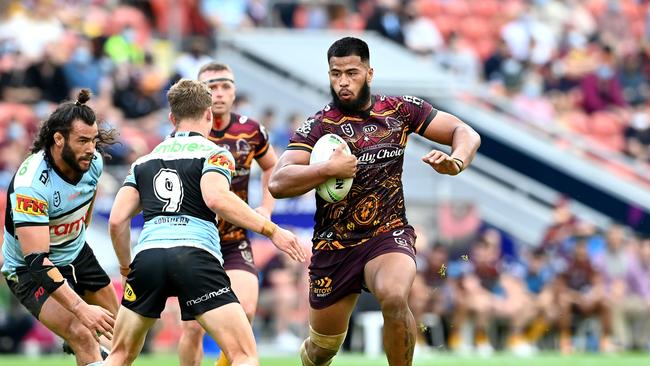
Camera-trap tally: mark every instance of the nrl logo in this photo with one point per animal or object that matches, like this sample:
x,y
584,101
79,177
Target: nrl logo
x,y
347,130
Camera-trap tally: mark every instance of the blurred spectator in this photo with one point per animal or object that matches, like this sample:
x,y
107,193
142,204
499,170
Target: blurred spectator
x,y
582,294
627,285
87,66
633,81
387,20
15,322
613,26
420,33
189,63
32,28
281,292
529,39
15,85
226,14
460,59
493,65
601,89
122,47
137,92
539,277
48,77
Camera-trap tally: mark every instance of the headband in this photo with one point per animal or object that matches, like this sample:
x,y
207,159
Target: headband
x,y
217,80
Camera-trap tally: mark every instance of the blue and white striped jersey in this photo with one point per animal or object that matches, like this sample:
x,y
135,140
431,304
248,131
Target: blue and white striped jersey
x,y
39,195
169,182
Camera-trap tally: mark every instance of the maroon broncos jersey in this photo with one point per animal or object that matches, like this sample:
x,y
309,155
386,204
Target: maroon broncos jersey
x,y
377,137
246,140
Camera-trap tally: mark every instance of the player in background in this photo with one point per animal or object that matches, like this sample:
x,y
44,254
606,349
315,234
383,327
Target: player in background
x,y
246,140
179,187
364,241
48,265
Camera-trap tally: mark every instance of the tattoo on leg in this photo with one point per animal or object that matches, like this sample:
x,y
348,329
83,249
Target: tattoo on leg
x,y
409,343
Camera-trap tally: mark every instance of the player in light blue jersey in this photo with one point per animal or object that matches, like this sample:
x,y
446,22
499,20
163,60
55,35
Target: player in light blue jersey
x,y
48,265
179,187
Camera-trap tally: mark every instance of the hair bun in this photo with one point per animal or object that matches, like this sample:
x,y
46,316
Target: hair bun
x,y
83,96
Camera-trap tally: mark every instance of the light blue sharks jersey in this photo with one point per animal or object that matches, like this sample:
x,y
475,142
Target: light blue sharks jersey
x,y
169,182
39,195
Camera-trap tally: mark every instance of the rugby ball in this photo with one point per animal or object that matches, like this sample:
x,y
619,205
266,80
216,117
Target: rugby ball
x,y
334,189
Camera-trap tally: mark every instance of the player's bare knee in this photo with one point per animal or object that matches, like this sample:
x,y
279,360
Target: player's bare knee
x,y
192,330
79,337
249,309
392,303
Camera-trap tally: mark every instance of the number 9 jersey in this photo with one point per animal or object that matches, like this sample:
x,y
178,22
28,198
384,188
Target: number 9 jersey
x,y
169,182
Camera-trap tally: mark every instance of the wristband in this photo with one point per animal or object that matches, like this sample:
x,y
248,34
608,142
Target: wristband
x,y
269,228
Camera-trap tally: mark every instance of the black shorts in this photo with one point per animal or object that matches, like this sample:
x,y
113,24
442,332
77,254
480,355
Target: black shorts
x,y
193,275
83,274
335,274
238,255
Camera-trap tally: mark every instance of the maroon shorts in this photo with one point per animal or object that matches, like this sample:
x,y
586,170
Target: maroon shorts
x,y
335,274
238,255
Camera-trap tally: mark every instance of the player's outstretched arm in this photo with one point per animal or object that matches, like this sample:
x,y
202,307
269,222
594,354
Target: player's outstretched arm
x,y
218,197
447,129
35,244
293,176
125,206
267,163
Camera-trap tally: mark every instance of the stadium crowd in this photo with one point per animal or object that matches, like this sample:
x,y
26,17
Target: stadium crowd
x,y
578,66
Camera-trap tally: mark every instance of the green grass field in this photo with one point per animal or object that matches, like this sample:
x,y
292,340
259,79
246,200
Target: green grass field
x,y
358,360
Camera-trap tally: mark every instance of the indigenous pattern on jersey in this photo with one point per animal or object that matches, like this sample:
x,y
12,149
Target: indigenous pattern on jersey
x,y
39,195
246,140
169,182
377,137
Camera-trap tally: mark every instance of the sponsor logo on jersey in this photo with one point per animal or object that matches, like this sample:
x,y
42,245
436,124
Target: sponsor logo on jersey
x,y
67,228
30,205
208,296
44,176
380,154
222,161
413,100
369,129
306,127
175,146
129,295
57,198
321,287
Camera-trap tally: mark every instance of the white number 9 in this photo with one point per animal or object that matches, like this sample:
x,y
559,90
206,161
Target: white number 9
x,y
168,188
